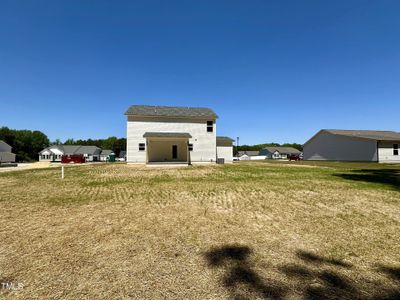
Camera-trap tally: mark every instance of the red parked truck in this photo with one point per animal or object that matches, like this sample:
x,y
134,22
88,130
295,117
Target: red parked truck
x,y
73,159
295,157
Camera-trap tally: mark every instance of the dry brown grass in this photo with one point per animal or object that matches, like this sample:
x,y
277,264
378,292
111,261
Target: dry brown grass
x,y
250,230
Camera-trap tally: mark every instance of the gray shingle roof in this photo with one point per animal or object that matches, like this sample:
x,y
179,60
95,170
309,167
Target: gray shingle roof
x,y
93,150
249,153
167,134
283,150
377,135
225,138
68,149
224,141
171,111
106,152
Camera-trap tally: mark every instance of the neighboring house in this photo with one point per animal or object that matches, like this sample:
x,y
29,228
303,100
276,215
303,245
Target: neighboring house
x,y
55,152
250,155
171,135
225,148
353,145
122,156
105,155
5,153
279,152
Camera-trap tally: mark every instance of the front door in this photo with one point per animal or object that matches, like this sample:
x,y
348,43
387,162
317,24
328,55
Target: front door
x,y
174,151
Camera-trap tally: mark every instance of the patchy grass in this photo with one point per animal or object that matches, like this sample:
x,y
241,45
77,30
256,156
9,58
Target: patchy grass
x,y
249,230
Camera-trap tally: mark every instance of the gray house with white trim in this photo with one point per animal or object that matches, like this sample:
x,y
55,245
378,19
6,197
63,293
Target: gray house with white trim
x,y
55,152
279,152
169,134
353,145
250,155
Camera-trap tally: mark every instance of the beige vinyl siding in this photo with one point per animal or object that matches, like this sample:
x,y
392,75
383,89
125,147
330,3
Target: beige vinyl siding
x,y
204,143
225,152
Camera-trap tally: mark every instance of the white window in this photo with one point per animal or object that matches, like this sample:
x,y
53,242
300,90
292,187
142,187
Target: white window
x,y
395,149
142,146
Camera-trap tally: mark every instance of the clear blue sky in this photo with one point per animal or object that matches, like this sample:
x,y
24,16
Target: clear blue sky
x,y
272,70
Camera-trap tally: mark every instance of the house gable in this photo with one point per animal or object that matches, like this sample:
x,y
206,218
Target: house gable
x,y
328,146
4,147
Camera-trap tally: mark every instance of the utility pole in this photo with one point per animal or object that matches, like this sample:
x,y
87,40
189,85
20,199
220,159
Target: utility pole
x,y
237,147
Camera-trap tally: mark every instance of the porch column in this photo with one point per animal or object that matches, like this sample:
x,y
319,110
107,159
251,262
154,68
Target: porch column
x,y
147,151
188,153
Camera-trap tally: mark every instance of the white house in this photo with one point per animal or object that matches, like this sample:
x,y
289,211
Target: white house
x,y
105,154
55,152
5,153
279,152
353,145
250,155
164,134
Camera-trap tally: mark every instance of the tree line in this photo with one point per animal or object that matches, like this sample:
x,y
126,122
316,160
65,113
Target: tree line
x,y
113,143
259,147
27,144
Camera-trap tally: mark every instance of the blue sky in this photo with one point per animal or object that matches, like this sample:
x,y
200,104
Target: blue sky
x,y
272,70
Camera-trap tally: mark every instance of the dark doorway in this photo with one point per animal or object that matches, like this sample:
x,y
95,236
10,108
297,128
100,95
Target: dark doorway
x,y
174,151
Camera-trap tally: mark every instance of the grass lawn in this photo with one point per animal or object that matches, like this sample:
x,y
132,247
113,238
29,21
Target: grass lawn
x,y
248,230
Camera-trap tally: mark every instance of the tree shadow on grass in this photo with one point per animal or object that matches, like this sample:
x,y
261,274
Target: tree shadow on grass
x,y
313,277
321,277
239,272
317,259
392,272
389,177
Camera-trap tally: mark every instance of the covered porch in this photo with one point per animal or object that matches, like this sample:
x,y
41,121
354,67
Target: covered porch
x,y
167,148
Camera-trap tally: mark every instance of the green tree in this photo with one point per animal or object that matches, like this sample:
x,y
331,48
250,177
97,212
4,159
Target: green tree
x,y
56,142
113,143
69,142
259,147
25,143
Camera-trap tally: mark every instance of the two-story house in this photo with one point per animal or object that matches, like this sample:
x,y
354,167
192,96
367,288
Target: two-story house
x,y
164,134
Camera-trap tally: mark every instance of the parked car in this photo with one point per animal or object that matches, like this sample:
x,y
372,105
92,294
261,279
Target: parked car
x,y
73,159
295,157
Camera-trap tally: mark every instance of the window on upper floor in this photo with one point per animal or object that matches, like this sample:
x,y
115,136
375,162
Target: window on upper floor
x,y
210,126
395,149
